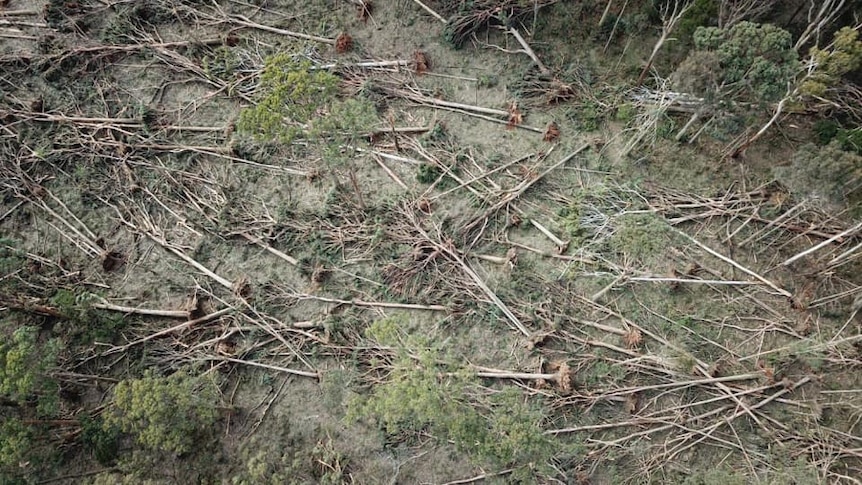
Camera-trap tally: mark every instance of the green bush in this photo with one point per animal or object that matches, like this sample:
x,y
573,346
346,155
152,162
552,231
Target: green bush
x,y
642,236
15,445
292,93
703,13
828,172
164,413
757,59
426,391
24,365
222,63
81,323
626,112
100,439
850,140
825,131
844,57
590,117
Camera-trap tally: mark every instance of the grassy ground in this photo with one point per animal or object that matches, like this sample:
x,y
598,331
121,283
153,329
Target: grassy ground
x,y
389,289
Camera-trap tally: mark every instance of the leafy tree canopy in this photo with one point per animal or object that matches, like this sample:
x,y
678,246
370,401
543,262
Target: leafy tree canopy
x,y
756,60
844,55
24,361
828,172
164,413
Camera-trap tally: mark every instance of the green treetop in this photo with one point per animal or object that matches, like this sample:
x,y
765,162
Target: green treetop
x,y
758,60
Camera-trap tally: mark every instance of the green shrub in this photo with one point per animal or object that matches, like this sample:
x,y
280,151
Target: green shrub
x,y
642,236
100,439
426,391
829,171
625,112
24,365
590,117
850,140
15,444
844,57
221,63
164,413
702,13
757,59
83,324
292,93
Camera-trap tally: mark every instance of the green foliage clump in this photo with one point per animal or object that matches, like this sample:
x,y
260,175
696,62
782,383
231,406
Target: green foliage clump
x,y
15,444
11,258
82,323
626,112
100,439
292,93
328,466
345,118
825,131
298,100
221,63
590,117
428,173
427,391
830,65
702,13
24,365
756,60
848,139
641,236
586,213
164,413
828,171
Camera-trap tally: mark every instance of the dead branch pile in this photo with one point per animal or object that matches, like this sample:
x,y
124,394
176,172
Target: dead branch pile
x,y
468,17
573,85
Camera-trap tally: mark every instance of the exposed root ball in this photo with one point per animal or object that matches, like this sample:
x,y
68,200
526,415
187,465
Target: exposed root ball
x,y
343,43
421,63
552,132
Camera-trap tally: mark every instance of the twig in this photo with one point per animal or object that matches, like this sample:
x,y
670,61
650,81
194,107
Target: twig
x,y
176,328
561,245
737,414
439,246
19,13
733,263
389,172
519,126
373,304
482,176
385,155
105,305
450,104
514,194
256,240
13,209
822,244
482,477
246,22
303,373
431,11
362,65
657,279
529,51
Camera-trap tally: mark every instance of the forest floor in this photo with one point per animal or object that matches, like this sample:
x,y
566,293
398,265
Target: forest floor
x,y
484,282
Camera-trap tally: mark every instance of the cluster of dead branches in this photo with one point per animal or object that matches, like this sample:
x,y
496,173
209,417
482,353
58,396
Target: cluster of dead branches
x,y
467,18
